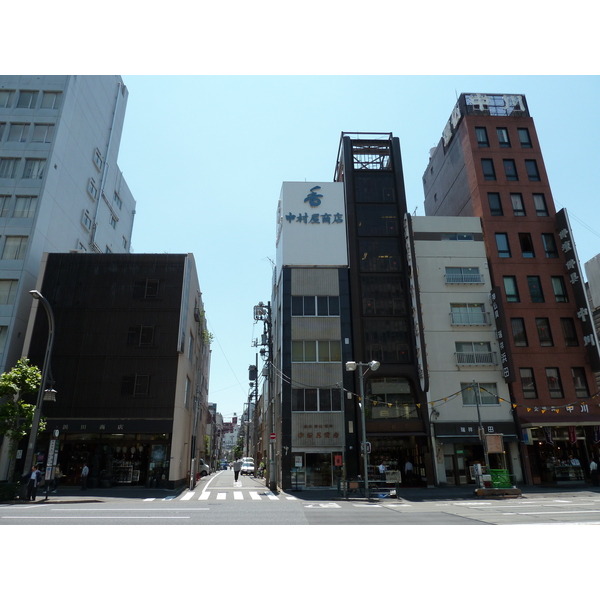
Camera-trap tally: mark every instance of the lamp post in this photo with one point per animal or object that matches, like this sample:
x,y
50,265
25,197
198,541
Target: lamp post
x,y
41,392
351,366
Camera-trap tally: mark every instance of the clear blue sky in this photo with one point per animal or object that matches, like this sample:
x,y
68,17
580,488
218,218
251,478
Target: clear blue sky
x,y
205,157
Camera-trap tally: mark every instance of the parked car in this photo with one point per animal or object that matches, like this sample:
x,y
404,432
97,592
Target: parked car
x,y
203,468
247,467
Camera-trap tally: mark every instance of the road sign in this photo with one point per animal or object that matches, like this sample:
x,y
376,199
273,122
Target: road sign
x,y
273,437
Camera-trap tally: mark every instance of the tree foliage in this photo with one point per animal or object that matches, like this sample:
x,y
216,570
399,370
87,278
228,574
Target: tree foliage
x,y
16,415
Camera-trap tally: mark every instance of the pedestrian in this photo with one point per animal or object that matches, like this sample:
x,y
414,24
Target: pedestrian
x,y
408,470
32,484
594,472
84,475
382,471
237,467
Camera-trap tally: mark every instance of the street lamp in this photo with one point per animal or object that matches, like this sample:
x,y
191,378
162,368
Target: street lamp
x,y
43,394
351,366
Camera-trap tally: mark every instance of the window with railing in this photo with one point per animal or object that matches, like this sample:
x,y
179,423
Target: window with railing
x,y
469,314
463,275
474,353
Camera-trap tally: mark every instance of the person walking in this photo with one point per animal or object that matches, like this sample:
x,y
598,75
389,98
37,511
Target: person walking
x,y
382,471
408,471
84,475
32,484
594,472
237,467
57,477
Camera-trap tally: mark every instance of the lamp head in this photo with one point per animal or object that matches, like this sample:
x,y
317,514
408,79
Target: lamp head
x,y
351,366
35,294
374,365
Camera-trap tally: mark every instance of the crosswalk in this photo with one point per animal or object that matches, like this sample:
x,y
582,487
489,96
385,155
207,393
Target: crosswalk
x,y
207,495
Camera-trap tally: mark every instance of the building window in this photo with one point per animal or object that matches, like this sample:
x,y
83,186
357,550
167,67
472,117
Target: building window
x,y
15,247
2,128
510,170
482,394
151,288
560,291
27,99
187,392
495,204
544,334
113,222
8,290
98,158
118,201
3,334
140,335
535,288
487,165
4,206
379,255
510,288
8,167
474,353
502,245
25,207
457,237
468,314
482,137
554,383
6,98
524,137
43,133
549,245
517,325
528,383
316,400
526,245
517,205
539,201
86,220
463,275
580,382
135,385
532,170
567,324
503,138
92,189
34,168
124,242
316,351
51,99
18,132
310,306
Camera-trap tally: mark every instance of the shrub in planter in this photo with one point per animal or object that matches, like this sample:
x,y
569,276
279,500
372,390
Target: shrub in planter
x,y
8,491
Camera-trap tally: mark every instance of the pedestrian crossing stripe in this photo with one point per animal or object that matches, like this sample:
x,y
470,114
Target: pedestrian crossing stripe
x,y
237,495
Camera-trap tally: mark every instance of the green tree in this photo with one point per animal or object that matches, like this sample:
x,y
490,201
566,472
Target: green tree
x,y
16,415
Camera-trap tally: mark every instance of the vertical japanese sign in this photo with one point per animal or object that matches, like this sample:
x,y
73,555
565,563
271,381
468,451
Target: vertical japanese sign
x,y
508,371
584,313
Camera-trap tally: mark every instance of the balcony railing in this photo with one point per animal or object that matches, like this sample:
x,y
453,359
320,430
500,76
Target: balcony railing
x,y
476,358
475,318
464,278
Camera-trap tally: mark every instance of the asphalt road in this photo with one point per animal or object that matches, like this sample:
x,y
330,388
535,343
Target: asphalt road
x,y
218,500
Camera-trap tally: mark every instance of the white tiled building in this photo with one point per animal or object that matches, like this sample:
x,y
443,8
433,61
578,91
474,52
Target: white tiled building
x,y
462,348
60,187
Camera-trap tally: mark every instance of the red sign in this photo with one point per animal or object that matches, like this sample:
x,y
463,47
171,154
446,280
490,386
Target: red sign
x,y
273,437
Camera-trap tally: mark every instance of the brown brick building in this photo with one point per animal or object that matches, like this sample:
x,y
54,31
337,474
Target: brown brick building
x,y
489,164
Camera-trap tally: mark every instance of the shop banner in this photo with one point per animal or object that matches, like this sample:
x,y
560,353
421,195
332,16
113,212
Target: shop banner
x,y
572,435
596,434
548,434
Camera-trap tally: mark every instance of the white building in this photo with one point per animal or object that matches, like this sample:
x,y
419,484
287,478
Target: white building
x,y
462,349
60,187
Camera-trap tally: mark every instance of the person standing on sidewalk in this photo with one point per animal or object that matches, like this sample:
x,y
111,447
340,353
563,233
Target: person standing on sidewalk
x,y
237,467
32,483
594,472
84,475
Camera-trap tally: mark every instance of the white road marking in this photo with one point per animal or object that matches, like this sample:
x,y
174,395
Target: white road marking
x,y
188,496
238,496
204,495
221,495
255,496
271,496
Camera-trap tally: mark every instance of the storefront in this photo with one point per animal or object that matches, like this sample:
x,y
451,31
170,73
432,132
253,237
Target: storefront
x,y
560,454
398,453
459,449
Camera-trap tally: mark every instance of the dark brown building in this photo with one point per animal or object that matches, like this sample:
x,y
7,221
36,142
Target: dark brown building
x,y
489,164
